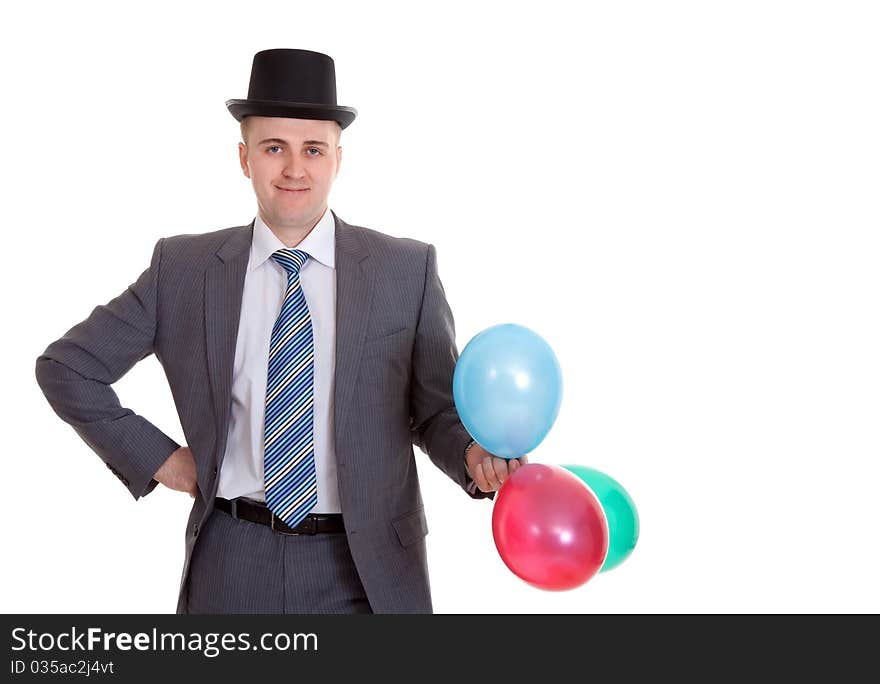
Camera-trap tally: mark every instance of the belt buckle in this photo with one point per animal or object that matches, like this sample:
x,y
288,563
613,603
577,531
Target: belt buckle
x,y
272,518
308,525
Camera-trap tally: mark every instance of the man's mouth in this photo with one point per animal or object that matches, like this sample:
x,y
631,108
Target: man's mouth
x,y
292,190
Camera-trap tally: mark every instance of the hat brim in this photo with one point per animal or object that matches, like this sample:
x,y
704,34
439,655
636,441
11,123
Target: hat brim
x,y
294,110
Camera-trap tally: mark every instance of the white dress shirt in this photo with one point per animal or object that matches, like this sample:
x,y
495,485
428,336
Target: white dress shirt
x,y
265,285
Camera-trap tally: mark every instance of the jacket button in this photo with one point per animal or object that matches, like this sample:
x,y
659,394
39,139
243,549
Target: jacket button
x,y
195,529
214,470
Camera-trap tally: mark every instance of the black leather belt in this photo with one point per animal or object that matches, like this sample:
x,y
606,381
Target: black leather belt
x,y
313,523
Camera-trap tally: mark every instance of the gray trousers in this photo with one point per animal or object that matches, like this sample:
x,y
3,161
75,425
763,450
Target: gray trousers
x,y
240,566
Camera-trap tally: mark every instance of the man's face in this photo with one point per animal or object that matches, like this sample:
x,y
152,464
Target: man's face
x,y
292,164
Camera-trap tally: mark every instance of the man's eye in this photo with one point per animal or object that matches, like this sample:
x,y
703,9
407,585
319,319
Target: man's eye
x,y
274,147
315,149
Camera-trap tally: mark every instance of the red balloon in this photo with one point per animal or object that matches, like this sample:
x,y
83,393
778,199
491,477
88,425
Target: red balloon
x,y
549,527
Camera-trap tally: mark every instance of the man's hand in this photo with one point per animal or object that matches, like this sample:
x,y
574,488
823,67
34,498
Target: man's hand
x,y
489,472
179,471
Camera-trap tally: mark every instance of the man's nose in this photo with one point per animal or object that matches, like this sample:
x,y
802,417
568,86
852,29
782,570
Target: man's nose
x,y
294,168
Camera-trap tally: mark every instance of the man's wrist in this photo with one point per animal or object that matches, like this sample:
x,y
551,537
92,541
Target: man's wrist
x,y
470,444
471,485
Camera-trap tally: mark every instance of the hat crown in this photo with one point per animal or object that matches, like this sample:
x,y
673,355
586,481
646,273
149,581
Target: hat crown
x,y
287,82
291,75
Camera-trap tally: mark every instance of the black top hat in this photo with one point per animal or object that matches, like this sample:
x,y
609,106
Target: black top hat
x,y
300,84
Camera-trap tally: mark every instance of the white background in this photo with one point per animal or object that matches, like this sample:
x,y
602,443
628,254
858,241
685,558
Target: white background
x,y
680,197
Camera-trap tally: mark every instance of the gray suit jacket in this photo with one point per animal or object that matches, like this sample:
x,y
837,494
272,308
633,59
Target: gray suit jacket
x,y
395,357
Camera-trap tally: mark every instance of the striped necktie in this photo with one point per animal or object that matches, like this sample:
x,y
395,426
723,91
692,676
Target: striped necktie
x,y
289,457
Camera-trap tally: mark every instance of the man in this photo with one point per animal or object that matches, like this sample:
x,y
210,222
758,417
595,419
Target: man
x,y
305,356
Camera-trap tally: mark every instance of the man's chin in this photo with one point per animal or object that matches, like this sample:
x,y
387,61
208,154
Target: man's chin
x,y
294,218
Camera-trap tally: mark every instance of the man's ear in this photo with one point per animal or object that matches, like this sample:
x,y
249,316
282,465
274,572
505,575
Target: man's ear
x,y
338,158
242,159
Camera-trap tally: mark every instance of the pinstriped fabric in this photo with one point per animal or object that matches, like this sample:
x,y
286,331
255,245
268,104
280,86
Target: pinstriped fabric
x,y
289,454
240,566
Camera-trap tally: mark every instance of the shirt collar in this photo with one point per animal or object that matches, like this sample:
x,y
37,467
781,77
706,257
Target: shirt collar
x,y
319,244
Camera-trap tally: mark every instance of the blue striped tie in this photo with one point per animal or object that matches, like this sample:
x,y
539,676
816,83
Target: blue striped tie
x,y
289,457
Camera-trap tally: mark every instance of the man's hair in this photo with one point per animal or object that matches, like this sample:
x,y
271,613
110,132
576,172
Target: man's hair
x,y
244,130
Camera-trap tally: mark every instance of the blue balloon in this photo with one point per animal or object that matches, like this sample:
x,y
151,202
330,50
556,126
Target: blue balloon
x,y
507,388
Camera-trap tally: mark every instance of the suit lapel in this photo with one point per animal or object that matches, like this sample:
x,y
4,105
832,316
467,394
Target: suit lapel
x,y
354,296
224,286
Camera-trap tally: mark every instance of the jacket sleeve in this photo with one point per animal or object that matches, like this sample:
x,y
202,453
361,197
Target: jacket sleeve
x,y
434,422
75,373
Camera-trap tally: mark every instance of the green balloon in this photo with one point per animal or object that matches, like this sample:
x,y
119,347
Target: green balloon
x,y
623,519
